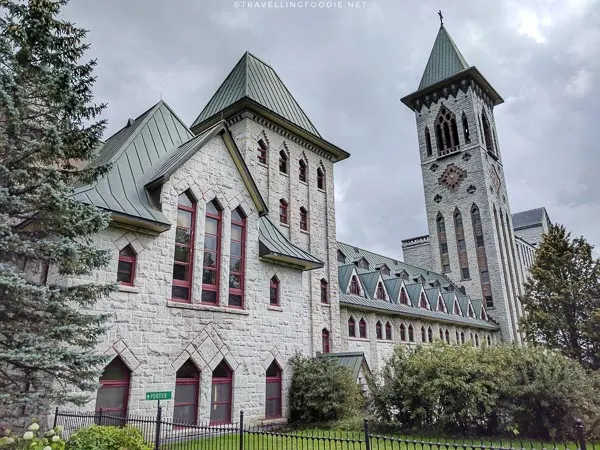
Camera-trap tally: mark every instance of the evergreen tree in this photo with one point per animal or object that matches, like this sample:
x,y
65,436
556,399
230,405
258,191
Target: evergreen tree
x,y
48,128
562,298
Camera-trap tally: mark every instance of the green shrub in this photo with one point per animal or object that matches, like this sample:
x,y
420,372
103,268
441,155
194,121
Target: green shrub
x,y
107,438
32,438
504,389
322,391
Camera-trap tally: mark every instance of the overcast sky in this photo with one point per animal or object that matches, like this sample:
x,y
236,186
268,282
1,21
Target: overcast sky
x,y
348,68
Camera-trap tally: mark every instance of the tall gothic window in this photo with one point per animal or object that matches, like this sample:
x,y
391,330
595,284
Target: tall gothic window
x,y
283,162
443,242
274,297
262,152
351,327
354,286
187,379
380,294
273,391
461,245
113,394
379,330
486,288
324,291
283,211
302,170
445,126
465,126
236,263
184,249
388,331
320,179
428,141
402,332
487,134
212,254
325,340
221,396
303,219
362,328
411,334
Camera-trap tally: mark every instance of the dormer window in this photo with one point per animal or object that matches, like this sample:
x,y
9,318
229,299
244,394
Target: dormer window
x,y
403,297
380,293
384,269
362,263
341,258
354,286
423,301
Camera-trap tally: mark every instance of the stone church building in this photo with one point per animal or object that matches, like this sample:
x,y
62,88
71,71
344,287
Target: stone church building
x,y
225,250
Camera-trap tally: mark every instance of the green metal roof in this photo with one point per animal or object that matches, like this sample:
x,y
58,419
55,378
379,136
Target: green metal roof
x,y
444,61
275,247
133,152
344,275
393,286
256,80
369,281
351,360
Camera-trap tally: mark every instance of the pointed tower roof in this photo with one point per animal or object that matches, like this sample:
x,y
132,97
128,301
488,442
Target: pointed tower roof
x,y
444,61
254,84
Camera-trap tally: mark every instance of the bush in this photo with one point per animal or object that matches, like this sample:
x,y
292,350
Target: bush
x,y
485,391
107,438
322,391
33,438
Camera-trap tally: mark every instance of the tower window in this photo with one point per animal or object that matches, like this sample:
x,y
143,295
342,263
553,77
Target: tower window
x,y
428,142
446,131
324,293
283,162
262,152
351,327
362,328
465,125
388,331
283,211
465,273
303,219
320,179
402,333
489,301
325,340
379,330
487,135
302,170
274,294
485,276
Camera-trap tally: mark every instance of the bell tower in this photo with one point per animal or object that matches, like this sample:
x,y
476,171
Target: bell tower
x,y
468,214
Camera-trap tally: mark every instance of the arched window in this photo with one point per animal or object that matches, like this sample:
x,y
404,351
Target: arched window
x,y
380,293
428,142
411,334
237,258
441,335
354,286
325,339
457,338
184,249
221,395
423,335
403,297
283,162
487,134
351,327
283,211
429,334
423,301
489,340
362,328
212,254
443,242
320,179
445,126
187,379
303,219
113,394
461,246
476,340
274,291
302,170
462,337
388,331
273,392
447,334
379,330
465,126
324,292
262,152
126,267
481,253
402,332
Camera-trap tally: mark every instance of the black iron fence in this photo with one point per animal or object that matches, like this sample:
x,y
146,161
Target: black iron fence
x,y
164,434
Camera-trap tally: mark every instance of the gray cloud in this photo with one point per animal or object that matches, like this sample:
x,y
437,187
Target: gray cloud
x,y
348,69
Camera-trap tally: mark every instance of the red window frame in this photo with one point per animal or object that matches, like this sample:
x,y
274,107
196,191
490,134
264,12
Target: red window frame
x,y
380,294
320,179
207,287
262,151
403,297
303,219
379,330
242,257
354,288
228,380
187,382
283,211
351,327
388,331
108,384
402,333
126,259
423,301
324,292
274,288
325,340
274,380
362,328
302,170
190,246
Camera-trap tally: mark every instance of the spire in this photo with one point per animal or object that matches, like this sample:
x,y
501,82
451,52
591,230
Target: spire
x,y
445,59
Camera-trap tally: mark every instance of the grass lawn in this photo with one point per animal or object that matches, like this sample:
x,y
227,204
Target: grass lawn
x,y
316,439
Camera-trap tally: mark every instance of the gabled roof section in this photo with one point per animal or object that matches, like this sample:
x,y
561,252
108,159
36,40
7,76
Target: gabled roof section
x,y
351,360
414,293
444,61
369,281
530,218
344,275
133,152
256,80
274,247
393,285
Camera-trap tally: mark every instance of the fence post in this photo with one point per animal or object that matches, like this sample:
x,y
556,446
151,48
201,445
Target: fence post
x,y
158,423
367,436
580,434
241,430
55,417
100,418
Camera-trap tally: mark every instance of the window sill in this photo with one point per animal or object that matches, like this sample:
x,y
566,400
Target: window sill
x,y
274,308
201,307
465,279
130,289
303,182
305,232
358,339
262,164
284,174
385,341
325,305
321,190
287,225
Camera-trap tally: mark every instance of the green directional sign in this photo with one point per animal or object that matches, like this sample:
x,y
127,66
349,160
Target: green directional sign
x,y
158,395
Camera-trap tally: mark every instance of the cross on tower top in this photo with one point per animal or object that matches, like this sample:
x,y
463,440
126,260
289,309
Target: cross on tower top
x,y
441,17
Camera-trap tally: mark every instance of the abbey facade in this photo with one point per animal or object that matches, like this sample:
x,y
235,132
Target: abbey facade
x,y
225,251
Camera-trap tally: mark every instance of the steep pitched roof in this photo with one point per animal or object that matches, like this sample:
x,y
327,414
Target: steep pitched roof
x,y
133,152
369,281
344,274
274,247
256,80
444,61
351,360
529,218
